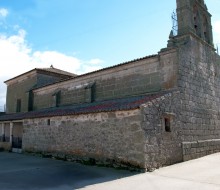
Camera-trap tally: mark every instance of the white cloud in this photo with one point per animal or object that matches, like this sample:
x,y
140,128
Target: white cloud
x,y
3,12
95,61
14,55
216,30
2,95
58,60
17,57
90,68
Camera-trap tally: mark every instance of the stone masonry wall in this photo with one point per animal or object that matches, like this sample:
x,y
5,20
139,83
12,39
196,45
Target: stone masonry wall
x,y
139,77
19,90
45,78
163,146
197,149
67,97
111,137
199,84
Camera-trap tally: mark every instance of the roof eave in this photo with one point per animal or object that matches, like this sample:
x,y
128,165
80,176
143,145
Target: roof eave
x,y
9,80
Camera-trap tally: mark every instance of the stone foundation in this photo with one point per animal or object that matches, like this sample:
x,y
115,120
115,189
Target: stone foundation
x,y
197,149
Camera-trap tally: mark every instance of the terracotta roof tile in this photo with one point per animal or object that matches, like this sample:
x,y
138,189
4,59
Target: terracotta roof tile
x,y
104,106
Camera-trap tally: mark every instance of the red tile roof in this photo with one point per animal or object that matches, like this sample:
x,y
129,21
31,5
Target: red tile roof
x,y
95,107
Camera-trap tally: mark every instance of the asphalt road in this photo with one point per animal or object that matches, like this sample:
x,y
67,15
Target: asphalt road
x,y
26,172
21,172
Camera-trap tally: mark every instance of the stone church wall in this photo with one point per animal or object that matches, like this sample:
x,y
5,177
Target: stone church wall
x,y
139,77
136,138
114,138
19,90
199,84
162,143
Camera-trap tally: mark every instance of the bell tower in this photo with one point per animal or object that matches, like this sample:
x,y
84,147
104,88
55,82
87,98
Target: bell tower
x,y
193,17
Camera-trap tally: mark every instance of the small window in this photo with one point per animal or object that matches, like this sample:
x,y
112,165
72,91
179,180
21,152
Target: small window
x,y
56,99
90,93
48,122
167,124
18,105
30,100
58,95
93,93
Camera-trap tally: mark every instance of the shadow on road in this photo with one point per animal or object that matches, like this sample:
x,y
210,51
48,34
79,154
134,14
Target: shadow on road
x,y
25,172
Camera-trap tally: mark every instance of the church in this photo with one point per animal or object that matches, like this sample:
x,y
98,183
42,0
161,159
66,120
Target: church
x,y
146,113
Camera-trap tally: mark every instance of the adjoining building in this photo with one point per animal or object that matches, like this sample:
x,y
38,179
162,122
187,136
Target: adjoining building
x,y
146,113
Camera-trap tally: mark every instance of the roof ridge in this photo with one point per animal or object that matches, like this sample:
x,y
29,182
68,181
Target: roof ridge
x,y
56,70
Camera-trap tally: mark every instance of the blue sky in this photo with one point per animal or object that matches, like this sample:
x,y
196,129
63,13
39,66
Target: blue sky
x,y
114,31
81,36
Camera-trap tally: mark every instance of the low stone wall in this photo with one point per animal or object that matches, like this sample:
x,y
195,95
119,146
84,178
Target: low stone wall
x,y
197,149
114,138
5,146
